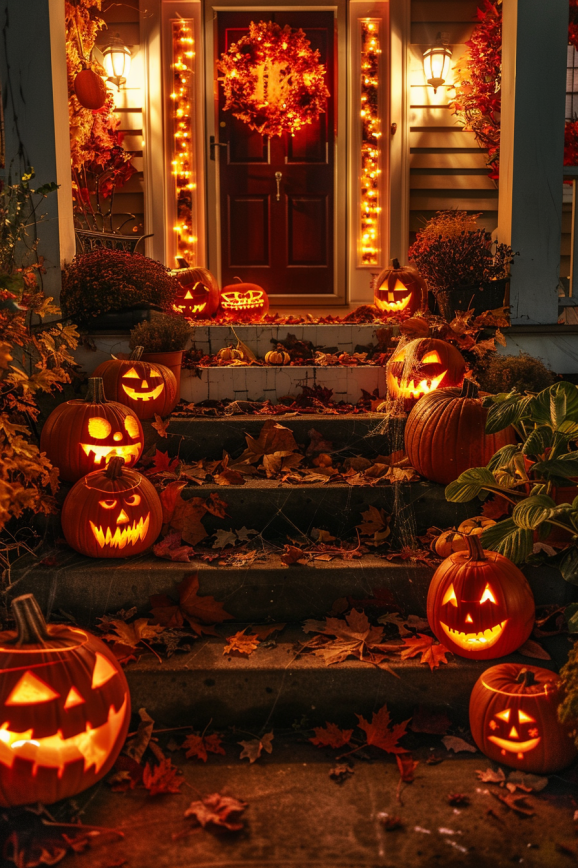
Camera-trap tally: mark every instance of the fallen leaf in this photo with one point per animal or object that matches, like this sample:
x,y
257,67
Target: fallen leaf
x,y
407,766
530,782
375,526
533,649
170,549
252,749
243,533
224,538
293,555
186,518
162,463
216,505
515,803
241,644
135,747
169,497
161,426
200,745
331,735
379,734
340,773
431,653
197,611
162,779
131,635
452,742
263,632
491,777
217,810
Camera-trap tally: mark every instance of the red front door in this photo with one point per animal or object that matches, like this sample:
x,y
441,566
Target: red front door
x,y
276,195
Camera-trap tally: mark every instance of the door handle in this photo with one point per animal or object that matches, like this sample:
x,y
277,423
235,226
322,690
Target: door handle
x,y
214,144
278,176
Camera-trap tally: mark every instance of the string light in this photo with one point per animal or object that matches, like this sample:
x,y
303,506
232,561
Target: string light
x,y
370,188
182,166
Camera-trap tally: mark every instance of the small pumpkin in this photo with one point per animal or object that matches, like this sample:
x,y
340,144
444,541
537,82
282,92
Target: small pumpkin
x,y
421,366
476,525
81,436
64,705
198,296
479,604
145,387
112,513
90,89
231,354
514,719
399,290
447,543
246,302
446,434
280,356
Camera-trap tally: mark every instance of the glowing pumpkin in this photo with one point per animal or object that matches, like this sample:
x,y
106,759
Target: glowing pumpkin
x,y
115,513
399,290
145,387
422,366
246,302
90,89
514,719
81,436
446,434
198,295
479,604
64,709
280,356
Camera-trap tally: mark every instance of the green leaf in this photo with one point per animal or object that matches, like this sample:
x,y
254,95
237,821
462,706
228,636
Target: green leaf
x,y
508,412
532,511
571,617
538,441
513,542
569,566
565,466
469,484
555,404
502,457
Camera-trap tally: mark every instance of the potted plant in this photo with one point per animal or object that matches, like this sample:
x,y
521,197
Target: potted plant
x,y
115,288
163,338
464,268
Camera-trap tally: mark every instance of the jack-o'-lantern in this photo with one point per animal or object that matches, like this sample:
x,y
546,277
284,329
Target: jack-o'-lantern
x,y
112,513
81,436
145,387
64,709
447,543
514,719
446,434
422,366
246,302
479,604
90,89
399,290
198,295
280,356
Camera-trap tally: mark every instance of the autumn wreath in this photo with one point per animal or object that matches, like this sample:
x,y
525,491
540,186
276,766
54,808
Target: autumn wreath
x,y
273,80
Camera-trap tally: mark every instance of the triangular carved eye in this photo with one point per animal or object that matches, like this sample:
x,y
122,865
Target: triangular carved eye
x,y
74,698
30,690
450,597
504,715
103,671
132,374
432,358
525,718
487,595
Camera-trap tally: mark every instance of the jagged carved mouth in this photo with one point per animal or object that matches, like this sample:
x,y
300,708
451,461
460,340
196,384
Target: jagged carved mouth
x,y
423,387
394,305
143,396
198,308
475,641
241,303
129,452
519,747
122,536
94,746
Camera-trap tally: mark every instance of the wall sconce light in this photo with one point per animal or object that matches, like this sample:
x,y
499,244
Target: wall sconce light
x,y
436,62
116,60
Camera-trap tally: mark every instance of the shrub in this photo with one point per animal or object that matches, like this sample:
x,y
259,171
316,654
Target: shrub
x,y
504,373
113,280
161,335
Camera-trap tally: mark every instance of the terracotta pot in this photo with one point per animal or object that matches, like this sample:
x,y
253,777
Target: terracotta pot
x,y
172,360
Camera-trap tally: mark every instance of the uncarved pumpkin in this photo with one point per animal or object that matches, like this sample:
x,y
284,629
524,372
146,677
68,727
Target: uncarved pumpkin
x,y
479,604
420,366
145,387
81,436
446,434
112,513
90,89
198,295
447,543
246,302
399,290
280,356
514,719
64,705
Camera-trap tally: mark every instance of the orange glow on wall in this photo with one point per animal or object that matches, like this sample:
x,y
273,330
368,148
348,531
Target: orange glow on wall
x,y
370,187
181,109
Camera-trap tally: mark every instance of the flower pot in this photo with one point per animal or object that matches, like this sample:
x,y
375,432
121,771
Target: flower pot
x,y
172,360
115,320
479,298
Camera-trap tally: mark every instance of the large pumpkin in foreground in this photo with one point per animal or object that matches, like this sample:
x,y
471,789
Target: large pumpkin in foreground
x,y
64,709
399,290
112,513
446,434
479,604
421,366
145,387
514,719
82,436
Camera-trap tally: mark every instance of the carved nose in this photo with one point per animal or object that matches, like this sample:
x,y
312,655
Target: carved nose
x,y
513,733
144,384
122,517
469,619
117,436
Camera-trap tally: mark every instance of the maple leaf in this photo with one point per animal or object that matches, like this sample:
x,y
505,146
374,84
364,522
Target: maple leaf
x,y
379,733
354,636
375,524
136,746
160,426
186,518
263,632
169,497
252,749
224,538
200,745
517,803
162,779
170,549
217,810
491,777
331,735
197,611
407,766
293,555
241,644
225,475
216,505
452,742
163,463
131,635
432,654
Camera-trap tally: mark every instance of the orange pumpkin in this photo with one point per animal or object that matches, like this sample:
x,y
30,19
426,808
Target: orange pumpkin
x,y
422,366
145,387
231,354
476,525
445,434
246,302
280,356
399,290
112,513
514,719
479,604
90,89
64,705
198,295
447,543
81,436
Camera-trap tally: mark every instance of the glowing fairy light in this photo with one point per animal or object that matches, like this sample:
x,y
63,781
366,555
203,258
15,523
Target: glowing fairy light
x,y
370,192
182,165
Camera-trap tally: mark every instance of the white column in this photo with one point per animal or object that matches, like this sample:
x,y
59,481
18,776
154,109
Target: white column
x,y
535,36
34,89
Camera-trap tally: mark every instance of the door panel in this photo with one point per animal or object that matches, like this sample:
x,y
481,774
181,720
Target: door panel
x,y
278,233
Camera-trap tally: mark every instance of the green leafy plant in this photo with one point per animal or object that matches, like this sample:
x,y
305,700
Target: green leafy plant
x,y
162,334
568,710
533,475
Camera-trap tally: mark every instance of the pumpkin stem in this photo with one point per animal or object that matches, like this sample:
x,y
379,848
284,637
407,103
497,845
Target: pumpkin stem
x,y
526,677
136,354
469,389
95,394
475,549
30,623
238,278
395,263
114,467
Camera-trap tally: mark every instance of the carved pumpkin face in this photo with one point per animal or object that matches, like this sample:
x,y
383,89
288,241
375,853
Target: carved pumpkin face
x,y
479,603
102,443
198,295
246,302
112,514
145,387
142,384
514,720
421,366
64,710
399,291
